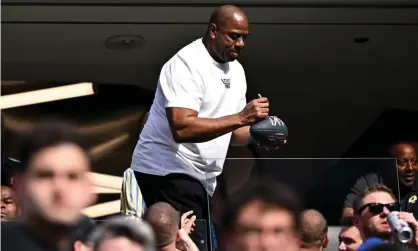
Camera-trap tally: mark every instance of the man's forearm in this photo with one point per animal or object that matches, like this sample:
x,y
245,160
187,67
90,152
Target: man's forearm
x,y
241,136
199,130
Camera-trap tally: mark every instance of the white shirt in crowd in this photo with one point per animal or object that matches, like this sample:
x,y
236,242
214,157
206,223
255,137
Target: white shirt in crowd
x,y
190,79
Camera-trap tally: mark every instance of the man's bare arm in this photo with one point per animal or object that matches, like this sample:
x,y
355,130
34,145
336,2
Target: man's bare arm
x,y
187,127
241,136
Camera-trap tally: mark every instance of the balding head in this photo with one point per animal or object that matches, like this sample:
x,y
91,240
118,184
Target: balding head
x,y
313,230
226,14
401,147
227,30
165,220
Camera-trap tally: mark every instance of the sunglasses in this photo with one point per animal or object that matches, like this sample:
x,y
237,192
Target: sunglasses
x,y
377,208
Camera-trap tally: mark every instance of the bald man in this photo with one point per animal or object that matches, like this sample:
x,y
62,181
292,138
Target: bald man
x,y
199,109
313,231
406,165
165,221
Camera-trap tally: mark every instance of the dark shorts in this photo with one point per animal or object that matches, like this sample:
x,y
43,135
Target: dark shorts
x,y
184,193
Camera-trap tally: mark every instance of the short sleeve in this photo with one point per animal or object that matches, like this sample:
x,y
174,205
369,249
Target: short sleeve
x,y
242,103
181,85
243,100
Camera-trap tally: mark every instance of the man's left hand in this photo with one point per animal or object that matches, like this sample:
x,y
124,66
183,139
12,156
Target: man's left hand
x,y
187,223
412,222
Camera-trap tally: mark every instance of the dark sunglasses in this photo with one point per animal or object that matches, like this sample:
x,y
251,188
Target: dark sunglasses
x,y
377,208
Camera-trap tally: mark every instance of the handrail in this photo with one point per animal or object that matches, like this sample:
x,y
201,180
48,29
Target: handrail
x,y
244,3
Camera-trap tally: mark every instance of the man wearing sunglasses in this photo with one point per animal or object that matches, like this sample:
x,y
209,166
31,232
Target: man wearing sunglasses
x,y
372,209
406,167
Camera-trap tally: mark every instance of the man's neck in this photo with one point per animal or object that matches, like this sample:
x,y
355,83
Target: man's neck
x,y
312,249
53,235
171,247
210,50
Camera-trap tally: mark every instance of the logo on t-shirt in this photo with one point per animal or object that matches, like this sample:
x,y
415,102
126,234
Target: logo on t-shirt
x,y
413,199
227,82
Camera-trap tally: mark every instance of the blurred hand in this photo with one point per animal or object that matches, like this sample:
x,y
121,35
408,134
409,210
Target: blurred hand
x,y
186,223
412,222
255,110
185,243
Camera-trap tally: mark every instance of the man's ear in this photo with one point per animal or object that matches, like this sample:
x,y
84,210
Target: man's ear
x,y
212,30
77,246
325,242
356,221
178,236
89,189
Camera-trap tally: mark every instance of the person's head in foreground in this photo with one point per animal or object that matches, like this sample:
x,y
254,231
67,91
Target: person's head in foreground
x,y
9,206
122,234
349,238
372,209
313,231
80,234
261,216
406,162
226,32
53,184
165,221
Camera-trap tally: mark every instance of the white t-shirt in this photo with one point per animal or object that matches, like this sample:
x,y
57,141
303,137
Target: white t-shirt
x,y
190,79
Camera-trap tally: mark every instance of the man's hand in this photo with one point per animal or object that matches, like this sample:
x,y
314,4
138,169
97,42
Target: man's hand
x,y
412,222
185,243
186,223
255,110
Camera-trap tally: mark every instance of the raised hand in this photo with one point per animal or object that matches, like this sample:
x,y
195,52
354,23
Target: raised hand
x,y
185,243
188,223
255,110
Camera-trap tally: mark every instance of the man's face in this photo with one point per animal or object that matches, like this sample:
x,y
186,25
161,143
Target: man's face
x,y
349,239
261,228
56,186
9,208
406,162
229,38
119,243
373,218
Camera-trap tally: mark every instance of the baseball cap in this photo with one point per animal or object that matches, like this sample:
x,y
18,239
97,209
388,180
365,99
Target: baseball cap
x,y
370,243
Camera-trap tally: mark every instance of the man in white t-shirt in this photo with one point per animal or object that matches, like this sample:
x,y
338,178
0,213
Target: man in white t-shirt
x,y
199,108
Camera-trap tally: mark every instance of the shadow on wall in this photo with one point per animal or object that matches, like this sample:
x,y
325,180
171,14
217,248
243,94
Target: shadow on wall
x,y
110,120
392,125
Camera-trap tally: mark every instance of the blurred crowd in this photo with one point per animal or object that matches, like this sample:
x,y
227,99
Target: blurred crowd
x,y
43,194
